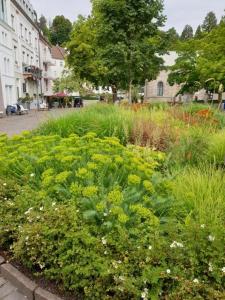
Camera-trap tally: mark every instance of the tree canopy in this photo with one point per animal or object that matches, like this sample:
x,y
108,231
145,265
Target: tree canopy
x,y
187,33
118,45
42,23
210,22
201,63
60,30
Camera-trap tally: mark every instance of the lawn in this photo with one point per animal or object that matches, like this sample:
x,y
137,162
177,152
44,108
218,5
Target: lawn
x,y
119,202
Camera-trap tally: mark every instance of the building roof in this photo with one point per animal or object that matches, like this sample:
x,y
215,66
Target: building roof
x,y
58,52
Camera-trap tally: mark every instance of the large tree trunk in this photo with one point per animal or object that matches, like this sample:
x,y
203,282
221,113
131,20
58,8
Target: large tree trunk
x,y
114,91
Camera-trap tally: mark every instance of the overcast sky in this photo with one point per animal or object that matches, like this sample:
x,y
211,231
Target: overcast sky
x,y
179,12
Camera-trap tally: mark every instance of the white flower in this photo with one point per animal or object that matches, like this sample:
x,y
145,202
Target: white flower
x,y
122,278
176,245
119,262
104,241
223,269
41,208
77,210
28,211
114,264
150,248
144,294
5,184
105,252
105,214
168,271
41,266
53,203
202,226
211,238
27,238
32,175
138,247
210,267
196,281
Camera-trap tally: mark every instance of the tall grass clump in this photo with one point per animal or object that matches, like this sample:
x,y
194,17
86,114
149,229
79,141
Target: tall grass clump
x,y
216,149
191,147
200,195
104,120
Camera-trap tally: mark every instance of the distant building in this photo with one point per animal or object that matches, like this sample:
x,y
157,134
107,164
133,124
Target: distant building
x,y
58,56
160,89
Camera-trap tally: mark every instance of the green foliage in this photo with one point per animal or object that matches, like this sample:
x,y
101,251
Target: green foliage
x,y
118,43
210,22
88,203
200,63
199,34
187,33
60,30
42,23
104,120
200,195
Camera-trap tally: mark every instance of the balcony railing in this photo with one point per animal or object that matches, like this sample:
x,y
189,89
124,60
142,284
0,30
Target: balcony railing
x,y
32,72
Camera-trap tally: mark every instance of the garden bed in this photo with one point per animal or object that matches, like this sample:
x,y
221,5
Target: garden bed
x,y
108,220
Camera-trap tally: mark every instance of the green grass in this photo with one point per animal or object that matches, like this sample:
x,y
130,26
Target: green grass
x,y
104,120
200,195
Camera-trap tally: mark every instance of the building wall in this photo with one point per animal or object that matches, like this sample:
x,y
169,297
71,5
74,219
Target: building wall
x,y
25,47
57,68
22,49
155,92
7,82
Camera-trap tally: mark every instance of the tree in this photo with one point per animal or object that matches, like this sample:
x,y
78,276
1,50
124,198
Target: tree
x,y
69,82
210,22
125,41
42,23
187,33
172,38
201,63
211,60
184,72
60,30
199,34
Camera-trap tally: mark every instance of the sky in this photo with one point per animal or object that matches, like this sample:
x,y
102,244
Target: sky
x,y
179,12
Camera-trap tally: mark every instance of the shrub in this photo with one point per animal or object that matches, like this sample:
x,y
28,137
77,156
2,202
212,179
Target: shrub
x,y
97,217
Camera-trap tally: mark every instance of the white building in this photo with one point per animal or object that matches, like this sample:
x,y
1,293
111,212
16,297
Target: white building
x,y
58,57
28,64
7,81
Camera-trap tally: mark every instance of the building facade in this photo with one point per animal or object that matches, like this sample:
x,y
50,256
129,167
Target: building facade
x,y
159,89
28,64
7,82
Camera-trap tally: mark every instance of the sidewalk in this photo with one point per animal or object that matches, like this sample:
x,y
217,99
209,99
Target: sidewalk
x,y
8,291
16,124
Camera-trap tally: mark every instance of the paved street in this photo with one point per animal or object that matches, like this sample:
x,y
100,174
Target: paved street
x,y
8,291
16,124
